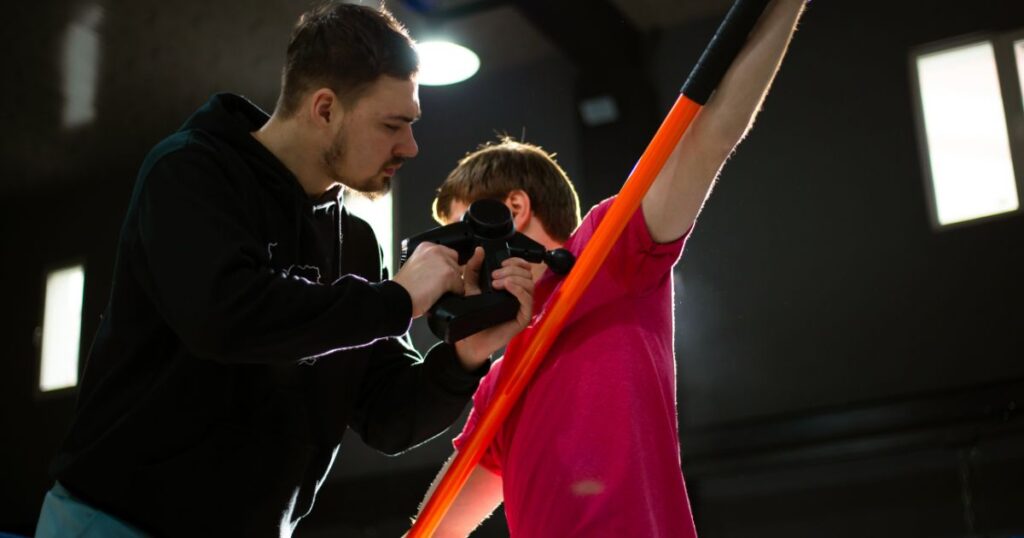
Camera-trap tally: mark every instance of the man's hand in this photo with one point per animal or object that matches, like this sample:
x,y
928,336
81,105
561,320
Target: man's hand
x,y
515,277
431,271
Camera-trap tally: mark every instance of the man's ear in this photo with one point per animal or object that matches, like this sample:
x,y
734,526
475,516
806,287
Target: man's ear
x,y
323,107
519,203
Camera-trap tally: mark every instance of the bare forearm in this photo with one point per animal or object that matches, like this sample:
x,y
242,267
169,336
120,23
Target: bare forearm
x,y
731,110
676,197
476,501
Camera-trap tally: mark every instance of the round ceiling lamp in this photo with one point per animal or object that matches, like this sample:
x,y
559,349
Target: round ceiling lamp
x,y
444,62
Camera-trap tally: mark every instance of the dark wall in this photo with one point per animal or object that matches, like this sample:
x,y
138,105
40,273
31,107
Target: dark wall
x,y
841,365
814,277
64,191
844,369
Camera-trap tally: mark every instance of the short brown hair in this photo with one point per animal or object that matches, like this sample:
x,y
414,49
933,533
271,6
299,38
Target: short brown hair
x,y
494,170
344,47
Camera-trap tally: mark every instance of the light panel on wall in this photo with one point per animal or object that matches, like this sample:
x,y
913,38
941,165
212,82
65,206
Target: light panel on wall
x,y
62,328
1018,53
379,213
968,148
80,66
444,62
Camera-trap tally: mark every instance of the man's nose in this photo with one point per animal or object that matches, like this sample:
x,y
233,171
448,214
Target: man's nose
x,y
408,148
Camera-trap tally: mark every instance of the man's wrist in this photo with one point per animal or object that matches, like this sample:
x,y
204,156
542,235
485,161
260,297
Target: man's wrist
x,y
469,356
443,365
398,306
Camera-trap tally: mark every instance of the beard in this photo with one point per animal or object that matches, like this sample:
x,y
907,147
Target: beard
x,y
372,187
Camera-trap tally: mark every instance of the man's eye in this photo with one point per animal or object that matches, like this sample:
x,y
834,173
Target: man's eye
x,y
392,127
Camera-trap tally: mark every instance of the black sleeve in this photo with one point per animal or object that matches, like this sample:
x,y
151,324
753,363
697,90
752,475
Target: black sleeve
x,y
209,275
404,401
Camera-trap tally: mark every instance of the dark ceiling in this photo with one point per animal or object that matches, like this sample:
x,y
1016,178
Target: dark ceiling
x,y
156,60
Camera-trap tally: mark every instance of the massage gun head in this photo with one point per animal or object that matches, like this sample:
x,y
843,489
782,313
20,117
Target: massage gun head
x,y
560,260
485,220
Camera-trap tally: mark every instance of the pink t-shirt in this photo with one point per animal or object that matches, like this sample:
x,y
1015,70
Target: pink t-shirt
x,y
592,449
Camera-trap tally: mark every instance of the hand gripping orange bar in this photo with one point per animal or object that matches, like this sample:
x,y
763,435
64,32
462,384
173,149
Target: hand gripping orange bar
x,y
526,351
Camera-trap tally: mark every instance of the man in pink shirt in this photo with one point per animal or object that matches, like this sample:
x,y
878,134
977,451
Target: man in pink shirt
x,y
593,447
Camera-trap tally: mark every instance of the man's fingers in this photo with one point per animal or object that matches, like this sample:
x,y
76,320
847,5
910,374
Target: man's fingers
x,y
522,281
456,285
451,254
511,271
513,267
454,279
524,296
442,250
517,262
428,250
423,246
448,257
476,260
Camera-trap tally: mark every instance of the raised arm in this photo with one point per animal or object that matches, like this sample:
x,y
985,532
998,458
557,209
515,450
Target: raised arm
x,y
678,193
475,502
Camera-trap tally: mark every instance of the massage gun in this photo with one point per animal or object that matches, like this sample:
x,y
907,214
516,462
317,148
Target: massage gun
x,y
487,224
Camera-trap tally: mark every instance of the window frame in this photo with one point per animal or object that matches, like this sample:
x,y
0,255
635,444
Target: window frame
x,y
1013,109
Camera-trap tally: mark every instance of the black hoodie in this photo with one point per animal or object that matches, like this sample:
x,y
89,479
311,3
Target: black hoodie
x,y
229,360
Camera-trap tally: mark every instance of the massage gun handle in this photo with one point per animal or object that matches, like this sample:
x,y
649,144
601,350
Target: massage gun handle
x,y
453,317
457,236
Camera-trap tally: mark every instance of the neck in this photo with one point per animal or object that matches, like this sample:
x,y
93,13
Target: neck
x,y
284,138
536,231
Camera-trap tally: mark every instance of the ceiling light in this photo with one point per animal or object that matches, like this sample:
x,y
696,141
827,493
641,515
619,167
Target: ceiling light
x,y
443,62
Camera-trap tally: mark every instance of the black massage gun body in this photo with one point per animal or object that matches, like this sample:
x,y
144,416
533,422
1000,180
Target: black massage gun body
x,y
487,224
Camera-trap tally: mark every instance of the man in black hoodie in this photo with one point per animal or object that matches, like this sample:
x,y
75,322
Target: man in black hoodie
x,y
250,320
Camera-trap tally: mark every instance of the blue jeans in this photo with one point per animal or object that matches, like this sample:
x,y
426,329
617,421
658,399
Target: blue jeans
x,y
64,515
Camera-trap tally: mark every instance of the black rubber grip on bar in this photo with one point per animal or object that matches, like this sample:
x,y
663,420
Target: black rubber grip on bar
x,y
722,50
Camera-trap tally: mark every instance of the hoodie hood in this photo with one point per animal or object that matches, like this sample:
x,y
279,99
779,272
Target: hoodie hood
x,y
232,119
227,116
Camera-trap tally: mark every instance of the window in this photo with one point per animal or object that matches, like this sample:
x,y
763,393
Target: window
x,y
62,327
966,146
1018,53
379,214
80,66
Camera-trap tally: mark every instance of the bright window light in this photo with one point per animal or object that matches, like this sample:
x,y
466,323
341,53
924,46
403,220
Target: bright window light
x,y
80,67
965,127
62,327
443,62
378,213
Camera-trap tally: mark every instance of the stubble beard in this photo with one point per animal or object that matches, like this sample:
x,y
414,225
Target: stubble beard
x,y
371,187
